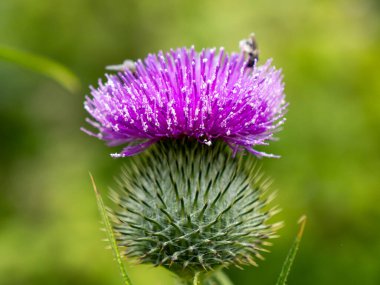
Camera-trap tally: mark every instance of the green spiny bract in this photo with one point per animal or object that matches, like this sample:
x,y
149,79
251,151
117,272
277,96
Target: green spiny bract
x,y
191,208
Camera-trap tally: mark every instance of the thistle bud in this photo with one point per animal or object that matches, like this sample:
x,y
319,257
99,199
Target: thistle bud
x,y
192,208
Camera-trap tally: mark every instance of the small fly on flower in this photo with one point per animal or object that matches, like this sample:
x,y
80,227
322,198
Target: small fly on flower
x,y
126,65
249,46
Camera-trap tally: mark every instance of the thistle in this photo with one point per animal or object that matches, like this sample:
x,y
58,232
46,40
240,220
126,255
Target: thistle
x,y
208,96
189,203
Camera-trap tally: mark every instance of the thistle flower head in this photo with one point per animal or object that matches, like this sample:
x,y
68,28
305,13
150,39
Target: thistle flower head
x,y
209,95
192,208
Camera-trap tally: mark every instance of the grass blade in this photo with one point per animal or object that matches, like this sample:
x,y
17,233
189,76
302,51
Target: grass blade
x,y
42,65
110,234
292,253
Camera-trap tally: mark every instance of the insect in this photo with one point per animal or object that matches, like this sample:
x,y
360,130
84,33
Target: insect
x,y
249,46
126,65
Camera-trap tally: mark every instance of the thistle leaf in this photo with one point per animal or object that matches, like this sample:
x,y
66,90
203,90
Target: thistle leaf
x,y
292,253
42,65
110,234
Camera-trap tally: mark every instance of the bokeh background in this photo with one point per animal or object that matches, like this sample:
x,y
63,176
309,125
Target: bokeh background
x,y
330,146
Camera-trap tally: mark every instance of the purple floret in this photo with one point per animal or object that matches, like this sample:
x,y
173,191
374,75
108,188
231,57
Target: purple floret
x,y
208,96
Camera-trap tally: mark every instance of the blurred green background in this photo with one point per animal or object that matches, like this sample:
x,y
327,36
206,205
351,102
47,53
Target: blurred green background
x,y
330,146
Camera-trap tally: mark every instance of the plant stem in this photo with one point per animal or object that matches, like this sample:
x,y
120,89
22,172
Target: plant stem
x,y
110,234
292,253
42,65
196,280
222,278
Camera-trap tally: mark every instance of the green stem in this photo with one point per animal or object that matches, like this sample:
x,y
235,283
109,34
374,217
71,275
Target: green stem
x,y
292,253
222,278
196,280
110,234
42,65
215,278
